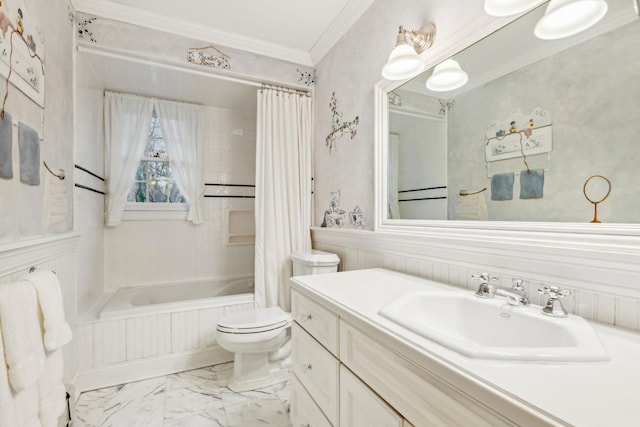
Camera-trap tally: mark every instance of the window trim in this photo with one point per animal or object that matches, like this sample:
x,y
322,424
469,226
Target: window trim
x,y
155,211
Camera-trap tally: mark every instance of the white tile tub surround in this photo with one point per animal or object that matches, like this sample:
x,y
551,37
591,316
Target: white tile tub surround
x,y
603,302
143,346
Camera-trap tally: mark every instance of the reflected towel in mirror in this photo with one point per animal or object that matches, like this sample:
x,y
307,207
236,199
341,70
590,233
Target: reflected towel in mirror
x,y
472,206
502,186
531,184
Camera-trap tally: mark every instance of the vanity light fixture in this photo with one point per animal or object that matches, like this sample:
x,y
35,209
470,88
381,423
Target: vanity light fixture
x,y
404,61
564,18
447,76
508,7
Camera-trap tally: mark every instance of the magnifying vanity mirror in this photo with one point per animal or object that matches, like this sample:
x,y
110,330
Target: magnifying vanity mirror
x,y
516,143
596,189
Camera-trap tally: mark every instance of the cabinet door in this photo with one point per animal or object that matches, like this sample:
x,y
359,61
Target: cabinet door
x,y
361,407
304,411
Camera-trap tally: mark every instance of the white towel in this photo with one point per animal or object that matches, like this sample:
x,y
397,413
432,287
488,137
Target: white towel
x,y
56,330
21,333
7,401
51,390
472,207
26,403
55,212
17,409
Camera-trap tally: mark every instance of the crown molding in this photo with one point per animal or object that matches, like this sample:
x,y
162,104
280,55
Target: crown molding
x,y
135,16
338,28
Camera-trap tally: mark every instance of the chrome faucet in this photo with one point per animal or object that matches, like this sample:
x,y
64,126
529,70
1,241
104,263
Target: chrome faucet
x,y
516,295
485,289
554,307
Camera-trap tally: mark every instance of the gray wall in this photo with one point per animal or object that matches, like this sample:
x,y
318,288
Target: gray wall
x,y
21,205
591,92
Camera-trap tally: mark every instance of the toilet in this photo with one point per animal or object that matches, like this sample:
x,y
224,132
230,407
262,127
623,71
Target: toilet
x,y
259,338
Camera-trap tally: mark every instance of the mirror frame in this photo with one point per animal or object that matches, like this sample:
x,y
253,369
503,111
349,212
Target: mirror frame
x,y
570,235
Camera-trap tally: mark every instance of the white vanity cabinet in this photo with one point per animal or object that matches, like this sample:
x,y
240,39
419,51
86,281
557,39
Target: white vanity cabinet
x,y
324,392
343,377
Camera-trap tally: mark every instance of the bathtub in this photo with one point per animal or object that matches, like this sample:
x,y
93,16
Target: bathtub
x,y
166,298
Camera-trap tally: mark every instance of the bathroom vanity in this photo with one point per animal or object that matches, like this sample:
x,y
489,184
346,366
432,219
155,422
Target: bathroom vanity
x,y
354,367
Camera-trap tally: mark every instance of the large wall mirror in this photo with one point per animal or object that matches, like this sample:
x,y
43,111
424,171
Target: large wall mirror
x,y
517,142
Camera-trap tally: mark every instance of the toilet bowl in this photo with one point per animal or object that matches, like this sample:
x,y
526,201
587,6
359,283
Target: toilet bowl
x,y
260,338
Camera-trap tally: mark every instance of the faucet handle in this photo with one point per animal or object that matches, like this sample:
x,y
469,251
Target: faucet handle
x,y
554,307
554,292
517,284
484,277
485,290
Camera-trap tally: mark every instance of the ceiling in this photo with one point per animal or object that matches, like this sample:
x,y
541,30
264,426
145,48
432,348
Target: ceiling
x,y
300,31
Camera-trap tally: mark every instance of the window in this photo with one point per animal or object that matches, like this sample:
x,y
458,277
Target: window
x,y
154,181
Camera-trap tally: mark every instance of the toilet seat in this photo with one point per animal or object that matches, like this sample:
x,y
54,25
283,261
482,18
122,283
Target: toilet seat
x,y
254,321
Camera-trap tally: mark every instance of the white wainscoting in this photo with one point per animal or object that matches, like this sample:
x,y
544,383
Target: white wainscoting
x,y
605,281
129,349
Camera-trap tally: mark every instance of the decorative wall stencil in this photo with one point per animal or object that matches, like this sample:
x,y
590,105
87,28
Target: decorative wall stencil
x,y
21,50
307,78
356,217
214,58
29,144
72,14
83,29
6,144
339,127
446,105
334,216
519,135
394,99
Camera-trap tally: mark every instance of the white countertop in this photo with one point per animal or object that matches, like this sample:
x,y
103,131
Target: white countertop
x,y
576,393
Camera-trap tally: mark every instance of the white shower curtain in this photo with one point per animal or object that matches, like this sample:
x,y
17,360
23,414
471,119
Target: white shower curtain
x,y
283,191
182,129
126,121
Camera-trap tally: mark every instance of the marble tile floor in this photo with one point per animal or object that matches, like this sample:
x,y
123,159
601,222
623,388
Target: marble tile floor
x,y
190,399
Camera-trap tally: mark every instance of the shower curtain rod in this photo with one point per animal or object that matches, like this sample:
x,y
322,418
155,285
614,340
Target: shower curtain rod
x,y
128,56
285,89
133,95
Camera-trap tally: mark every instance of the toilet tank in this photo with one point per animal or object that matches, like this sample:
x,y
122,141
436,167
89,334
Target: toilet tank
x,y
311,261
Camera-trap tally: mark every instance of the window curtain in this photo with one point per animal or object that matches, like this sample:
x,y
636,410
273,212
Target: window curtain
x,y
182,128
283,191
126,121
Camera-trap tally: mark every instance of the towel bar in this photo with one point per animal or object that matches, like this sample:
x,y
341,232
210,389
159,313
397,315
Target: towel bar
x,y
32,269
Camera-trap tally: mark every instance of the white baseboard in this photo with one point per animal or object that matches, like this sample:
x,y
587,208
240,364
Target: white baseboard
x,y
136,370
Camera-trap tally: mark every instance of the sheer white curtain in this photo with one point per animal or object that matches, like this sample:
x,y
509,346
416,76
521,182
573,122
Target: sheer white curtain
x,y
181,126
126,121
283,191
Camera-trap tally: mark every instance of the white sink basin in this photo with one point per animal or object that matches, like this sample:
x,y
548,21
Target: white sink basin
x,y
493,329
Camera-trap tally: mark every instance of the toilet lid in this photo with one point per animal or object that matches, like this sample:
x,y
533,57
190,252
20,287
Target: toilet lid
x,y
255,320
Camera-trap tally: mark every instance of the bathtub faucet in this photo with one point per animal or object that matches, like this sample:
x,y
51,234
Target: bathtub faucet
x,y
516,295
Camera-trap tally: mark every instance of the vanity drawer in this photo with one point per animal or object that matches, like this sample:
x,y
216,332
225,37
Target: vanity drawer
x,y
361,407
317,370
419,396
317,320
304,411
